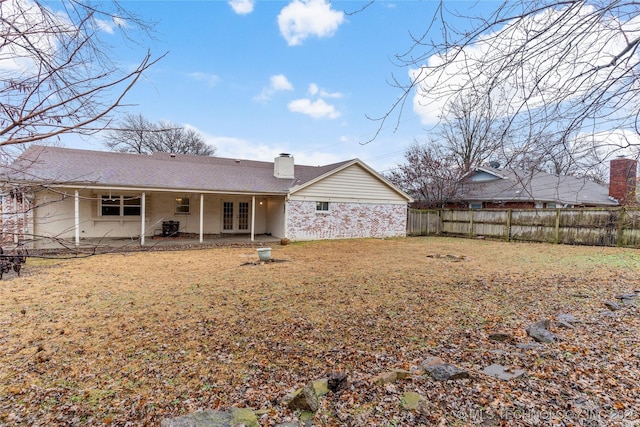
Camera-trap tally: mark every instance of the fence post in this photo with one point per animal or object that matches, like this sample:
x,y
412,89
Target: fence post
x,y
471,223
620,234
556,239
508,231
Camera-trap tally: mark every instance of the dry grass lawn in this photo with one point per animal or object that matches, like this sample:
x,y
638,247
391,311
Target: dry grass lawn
x,y
128,339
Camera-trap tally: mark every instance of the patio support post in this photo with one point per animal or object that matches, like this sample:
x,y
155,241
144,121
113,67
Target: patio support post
x,y
201,218
143,216
76,216
253,217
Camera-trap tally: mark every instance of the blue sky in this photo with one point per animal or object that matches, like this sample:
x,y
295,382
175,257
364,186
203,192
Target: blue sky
x,y
268,77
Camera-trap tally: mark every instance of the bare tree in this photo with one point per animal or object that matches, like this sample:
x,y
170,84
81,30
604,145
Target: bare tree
x,y
429,175
172,138
469,130
56,77
562,72
136,134
131,135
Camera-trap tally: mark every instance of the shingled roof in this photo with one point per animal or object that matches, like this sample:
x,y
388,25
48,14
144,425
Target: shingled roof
x,y
514,185
73,167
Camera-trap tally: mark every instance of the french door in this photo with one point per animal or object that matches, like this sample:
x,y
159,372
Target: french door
x,y
235,217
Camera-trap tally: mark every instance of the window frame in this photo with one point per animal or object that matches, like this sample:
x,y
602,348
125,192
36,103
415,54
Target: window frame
x,y
182,204
127,206
322,207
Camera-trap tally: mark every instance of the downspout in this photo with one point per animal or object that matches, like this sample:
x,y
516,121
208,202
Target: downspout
x,y
143,204
201,218
76,216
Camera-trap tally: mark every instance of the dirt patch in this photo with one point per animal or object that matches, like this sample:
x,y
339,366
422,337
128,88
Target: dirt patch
x,y
132,338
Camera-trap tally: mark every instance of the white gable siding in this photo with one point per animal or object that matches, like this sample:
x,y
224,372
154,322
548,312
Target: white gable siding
x,y
353,184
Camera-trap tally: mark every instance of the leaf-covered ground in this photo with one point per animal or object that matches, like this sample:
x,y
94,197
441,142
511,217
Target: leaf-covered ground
x,y
129,339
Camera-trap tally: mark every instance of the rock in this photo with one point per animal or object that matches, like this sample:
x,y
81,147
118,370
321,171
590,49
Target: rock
x,y
629,302
411,400
402,374
568,318
304,399
211,418
431,361
539,332
566,325
385,378
499,371
391,376
528,346
244,417
627,296
580,296
608,313
500,336
612,306
321,387
443,371
337,381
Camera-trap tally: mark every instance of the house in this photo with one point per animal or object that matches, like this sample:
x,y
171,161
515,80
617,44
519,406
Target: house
x,y
52,193
491,187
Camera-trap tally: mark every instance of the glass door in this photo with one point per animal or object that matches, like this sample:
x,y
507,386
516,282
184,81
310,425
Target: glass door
x,y
235,217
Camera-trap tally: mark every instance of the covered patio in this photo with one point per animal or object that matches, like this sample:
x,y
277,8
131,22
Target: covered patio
x,y
109,245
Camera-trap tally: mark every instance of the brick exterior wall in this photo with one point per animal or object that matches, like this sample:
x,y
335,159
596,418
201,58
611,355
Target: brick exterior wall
x,y
345,220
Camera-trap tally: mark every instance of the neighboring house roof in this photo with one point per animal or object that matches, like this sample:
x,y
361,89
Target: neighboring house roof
x,y
179,172
513,185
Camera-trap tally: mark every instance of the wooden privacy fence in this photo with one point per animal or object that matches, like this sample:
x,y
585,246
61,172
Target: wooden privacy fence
x,y
585,226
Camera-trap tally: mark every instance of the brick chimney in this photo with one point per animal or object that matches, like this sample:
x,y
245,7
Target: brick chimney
x,y
622,180
283,166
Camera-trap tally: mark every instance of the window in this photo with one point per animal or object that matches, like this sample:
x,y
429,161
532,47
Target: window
x,y
182,205
110,206
551,206
322,206
131,206
475,205
119,205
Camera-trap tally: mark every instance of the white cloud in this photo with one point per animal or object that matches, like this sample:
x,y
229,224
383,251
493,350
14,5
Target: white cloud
x,y
210,79
242,7
304,18
277,83
120,22
318,109
550,68
104,26
280,82
27,19
238,148
315,90
610,144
